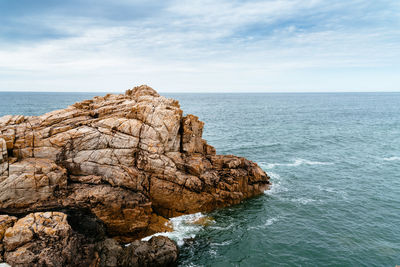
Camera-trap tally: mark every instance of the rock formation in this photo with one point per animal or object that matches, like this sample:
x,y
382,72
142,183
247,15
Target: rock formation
x,y
112,167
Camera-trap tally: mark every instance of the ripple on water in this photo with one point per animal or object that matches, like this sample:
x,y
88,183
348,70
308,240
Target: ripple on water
x,y
267,223
297,137
303,200
216,227
343,194
221,244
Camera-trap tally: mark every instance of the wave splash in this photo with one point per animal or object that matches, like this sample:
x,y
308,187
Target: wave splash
x,y
184,226
391,158
296,162
276,186
268,222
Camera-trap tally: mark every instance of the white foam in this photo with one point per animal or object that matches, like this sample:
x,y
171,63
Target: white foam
x,y
327,189
212,252
295,163
333,191
225,243
391,158
268,222
222,227
274,176
276,186
184,227
302,200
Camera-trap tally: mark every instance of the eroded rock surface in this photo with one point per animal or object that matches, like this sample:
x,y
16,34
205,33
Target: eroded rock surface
x,y
47,239
158,251
5,223
120,163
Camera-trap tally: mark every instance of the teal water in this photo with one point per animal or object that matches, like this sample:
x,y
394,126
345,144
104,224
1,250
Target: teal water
x,y
334,161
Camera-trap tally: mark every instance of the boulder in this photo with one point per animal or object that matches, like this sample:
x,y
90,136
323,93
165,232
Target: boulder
x,y
45,239
158,251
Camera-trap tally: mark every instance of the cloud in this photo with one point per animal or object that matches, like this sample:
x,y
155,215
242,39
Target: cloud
x,y
200,45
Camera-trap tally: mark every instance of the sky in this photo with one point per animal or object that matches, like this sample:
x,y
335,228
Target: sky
x,y
200,45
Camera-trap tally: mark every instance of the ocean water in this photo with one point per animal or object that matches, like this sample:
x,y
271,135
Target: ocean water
x,y
334,161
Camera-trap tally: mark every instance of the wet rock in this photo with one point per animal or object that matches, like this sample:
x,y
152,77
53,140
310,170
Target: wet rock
x,y
158,251
204,221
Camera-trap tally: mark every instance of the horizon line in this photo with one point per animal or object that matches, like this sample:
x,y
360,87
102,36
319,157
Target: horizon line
x,y
204,92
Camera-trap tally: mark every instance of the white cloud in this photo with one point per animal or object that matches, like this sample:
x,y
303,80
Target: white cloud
x,y
204,46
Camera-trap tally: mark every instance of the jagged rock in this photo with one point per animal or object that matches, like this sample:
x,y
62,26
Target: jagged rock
x,y
45,239
3,159
158,251
109,253
30,182
125,214
5,223
118,163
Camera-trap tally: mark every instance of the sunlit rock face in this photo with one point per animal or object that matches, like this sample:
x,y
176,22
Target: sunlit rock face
x,y
125,162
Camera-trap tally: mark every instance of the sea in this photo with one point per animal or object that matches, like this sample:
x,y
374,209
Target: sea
x,y
334,163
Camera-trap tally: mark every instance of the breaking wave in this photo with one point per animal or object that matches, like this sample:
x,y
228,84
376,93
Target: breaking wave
x,y
184,227
391,158
296,162
276,185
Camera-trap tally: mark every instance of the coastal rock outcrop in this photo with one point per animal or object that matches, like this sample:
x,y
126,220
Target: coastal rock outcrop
x,y
112,167
47,239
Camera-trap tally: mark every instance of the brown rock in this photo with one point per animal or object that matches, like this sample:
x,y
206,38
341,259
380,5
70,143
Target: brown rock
x,y
158,224
5,223
31,183
118,163
3,159
45,239
204,221
158,251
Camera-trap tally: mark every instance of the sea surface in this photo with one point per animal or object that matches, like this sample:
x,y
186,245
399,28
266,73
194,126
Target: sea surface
x,y
334,162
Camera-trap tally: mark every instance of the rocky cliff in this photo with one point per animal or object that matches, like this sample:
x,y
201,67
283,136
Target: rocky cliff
x,y
112,167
